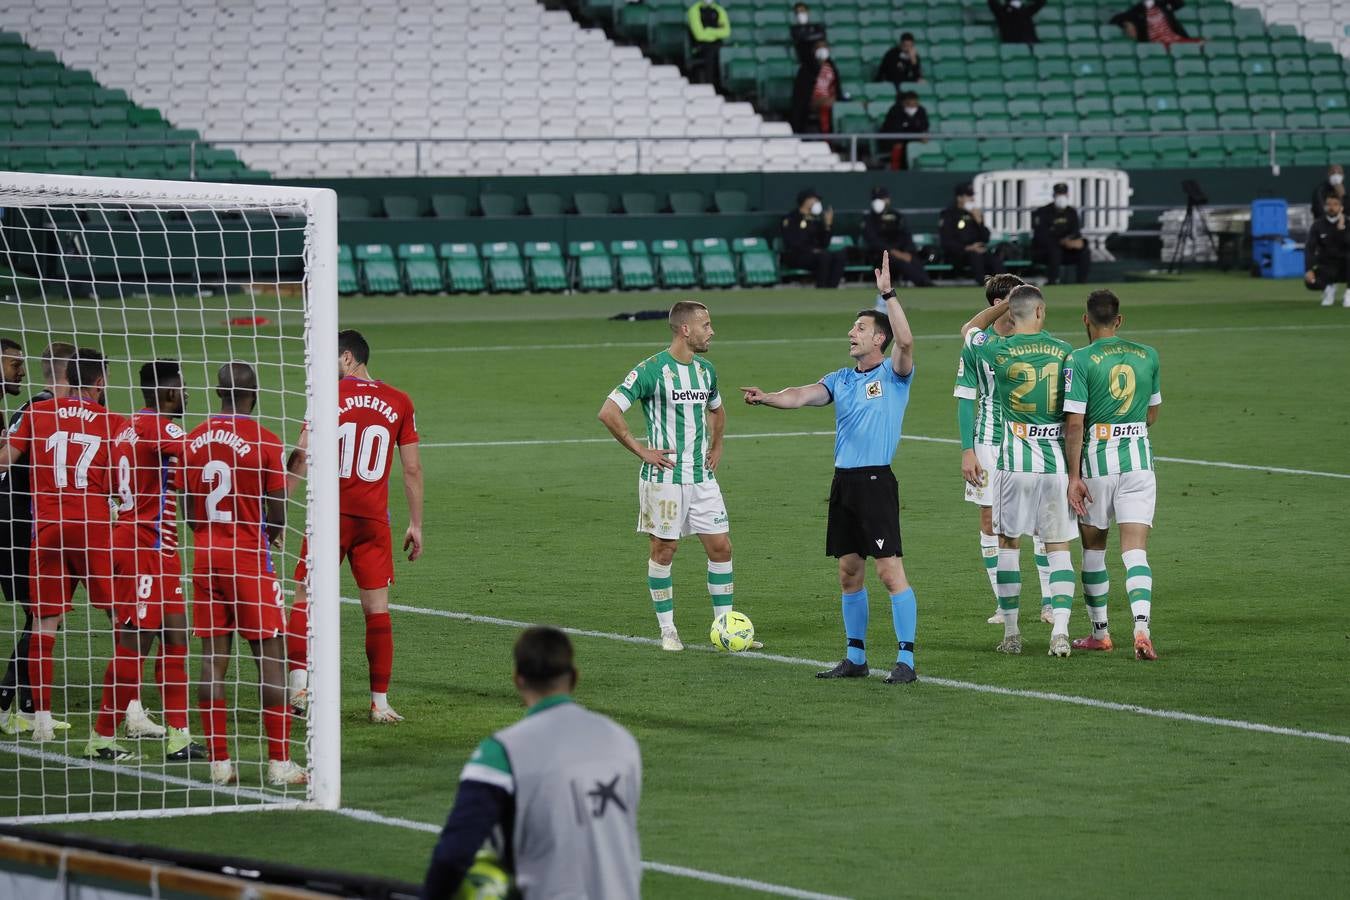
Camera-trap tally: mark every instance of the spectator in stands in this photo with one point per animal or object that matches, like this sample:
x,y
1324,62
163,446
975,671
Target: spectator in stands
x,y
805,33
965,239
1153,21
1013,18
1057,237
906,116
886,231
901,62
1334,185
709,26
814,93
806,240
1328,253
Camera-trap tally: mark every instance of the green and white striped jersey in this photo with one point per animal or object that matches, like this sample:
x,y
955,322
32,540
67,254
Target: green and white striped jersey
x,y
975,381
1113,382
675,399
1028,375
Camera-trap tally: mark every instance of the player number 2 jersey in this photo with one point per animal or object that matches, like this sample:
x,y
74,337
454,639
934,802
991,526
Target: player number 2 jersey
x,y
1113,382
675,400
1029,375
232,464
975,381
373,419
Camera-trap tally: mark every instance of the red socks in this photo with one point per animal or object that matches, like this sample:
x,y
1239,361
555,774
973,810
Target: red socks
x,y
121,685
379,650
277,724
297,636
40,670
171,673
214,724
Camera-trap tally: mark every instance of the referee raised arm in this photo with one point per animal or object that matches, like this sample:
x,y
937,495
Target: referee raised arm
x,y
864,519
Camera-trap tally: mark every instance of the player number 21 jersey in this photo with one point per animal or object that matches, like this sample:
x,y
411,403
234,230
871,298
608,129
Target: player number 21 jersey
x,y
1113,382
1029,376
675,400
373,419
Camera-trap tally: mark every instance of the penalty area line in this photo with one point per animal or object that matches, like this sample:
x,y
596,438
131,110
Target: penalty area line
x,y
1048,696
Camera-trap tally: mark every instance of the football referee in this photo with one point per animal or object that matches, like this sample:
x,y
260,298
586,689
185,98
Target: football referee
x,y
864,519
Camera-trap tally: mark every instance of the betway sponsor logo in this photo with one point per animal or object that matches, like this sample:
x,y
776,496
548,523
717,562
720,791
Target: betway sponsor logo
x,y
679,395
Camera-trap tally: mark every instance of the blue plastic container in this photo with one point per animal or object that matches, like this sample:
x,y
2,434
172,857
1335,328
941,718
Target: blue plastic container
x,y
1278,259
1270,218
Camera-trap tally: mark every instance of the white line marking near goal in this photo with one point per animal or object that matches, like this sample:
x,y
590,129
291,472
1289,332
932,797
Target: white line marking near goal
x,y
1208,463
841,340
1072,699
364,815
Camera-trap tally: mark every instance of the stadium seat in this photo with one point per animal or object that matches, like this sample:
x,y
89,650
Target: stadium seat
x,y
547,270
731,201
634,264
592,268
497,205
716,267
674,265
463,269
688,203
421,271
505,270
378,270
543,204
591,204
449,206
758,264
638,203
399,206
346,271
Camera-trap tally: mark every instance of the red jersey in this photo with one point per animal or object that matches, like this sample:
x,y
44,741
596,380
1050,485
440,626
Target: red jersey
x,y
146,457
232,463
373,418
69,445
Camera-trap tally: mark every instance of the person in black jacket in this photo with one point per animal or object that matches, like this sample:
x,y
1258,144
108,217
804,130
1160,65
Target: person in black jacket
x,y
1013,18
1153,20
1057,237
901,62
906,116
1334,186
805,33
964,239
886,231
1327,253
806,240
814,93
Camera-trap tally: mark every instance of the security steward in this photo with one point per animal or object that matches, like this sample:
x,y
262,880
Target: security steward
x,y
806,234
886,231
965,239
1057,237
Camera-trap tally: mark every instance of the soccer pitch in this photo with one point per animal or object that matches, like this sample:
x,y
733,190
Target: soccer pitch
x,y
1220,769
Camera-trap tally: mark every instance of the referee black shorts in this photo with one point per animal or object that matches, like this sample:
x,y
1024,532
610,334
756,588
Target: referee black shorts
x,y
864,513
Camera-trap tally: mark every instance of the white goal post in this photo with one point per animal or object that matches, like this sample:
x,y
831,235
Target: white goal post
x,y
204,274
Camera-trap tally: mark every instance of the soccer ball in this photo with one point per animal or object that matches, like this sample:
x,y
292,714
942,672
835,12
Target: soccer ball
x,y
733,632
485,880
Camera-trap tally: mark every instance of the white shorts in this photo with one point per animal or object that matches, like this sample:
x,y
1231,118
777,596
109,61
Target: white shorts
x,y
1127,498
987,455
673,511
1028,503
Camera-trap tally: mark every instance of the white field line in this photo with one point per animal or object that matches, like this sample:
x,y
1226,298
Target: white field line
x,y
362,815
265,802
838,339
1209,463
1071,699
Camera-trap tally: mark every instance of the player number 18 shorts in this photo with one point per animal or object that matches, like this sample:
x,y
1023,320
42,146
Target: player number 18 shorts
x,y
672,511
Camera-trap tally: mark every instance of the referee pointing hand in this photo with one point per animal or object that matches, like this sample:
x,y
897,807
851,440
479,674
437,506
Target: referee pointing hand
x,y
864,520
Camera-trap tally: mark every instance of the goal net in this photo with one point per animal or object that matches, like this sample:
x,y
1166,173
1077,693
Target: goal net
x,y
200,275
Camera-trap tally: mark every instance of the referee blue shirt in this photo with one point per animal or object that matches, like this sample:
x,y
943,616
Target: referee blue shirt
x,y
869,411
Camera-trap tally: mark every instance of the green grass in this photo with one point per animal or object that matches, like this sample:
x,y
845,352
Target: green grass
x,y
754,768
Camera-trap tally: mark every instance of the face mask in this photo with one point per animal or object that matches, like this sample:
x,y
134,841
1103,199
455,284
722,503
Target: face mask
x,y
823,54
878,205
1331,218
968,206
911,110
1336,180
1061,201
816,208
802,18
1148,4
1016,4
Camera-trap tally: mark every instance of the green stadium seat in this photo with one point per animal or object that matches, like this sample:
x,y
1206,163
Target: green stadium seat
x,y
1291,65
547,270
1262,84
1258,65
1192,103
1155,66
498,205
449,206
1226,65
715,265
1093,106
1331,65
594,271
103,160
638,203
401,206
1122,104
463,269
739,76
1301,120
1201,122
421,270
1331,101
688,203
1233,121
145,159
1189,66
1295,84
1159,103
634,21
1126,68
66,160
758,263
634,264
76,78
346,271
350,206
1265,102
31,117
588,203
1230,103
1337,118
1294,102
674,265
378,271
1274,120
544,204
505,269
731,201
1019,68
1166,122
1026,108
